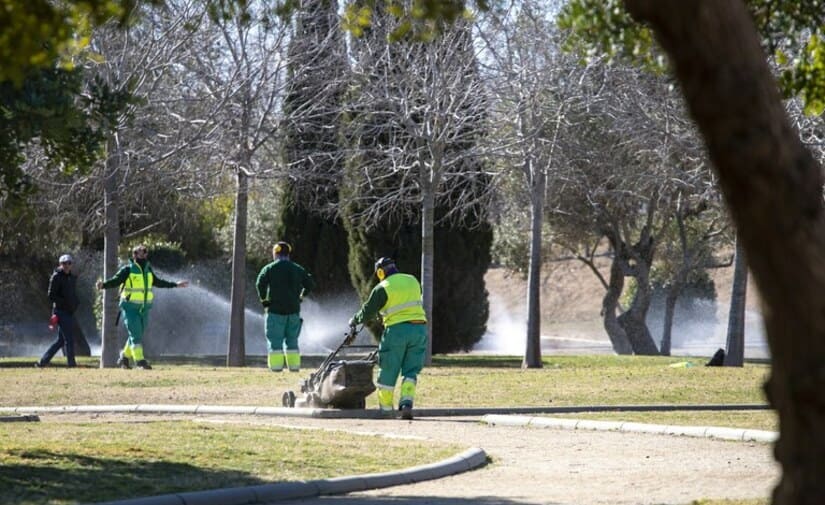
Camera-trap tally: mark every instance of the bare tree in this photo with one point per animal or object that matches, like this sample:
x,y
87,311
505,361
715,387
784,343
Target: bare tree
x,y
141,114
532,82
243,73
417,108
699,228
630,161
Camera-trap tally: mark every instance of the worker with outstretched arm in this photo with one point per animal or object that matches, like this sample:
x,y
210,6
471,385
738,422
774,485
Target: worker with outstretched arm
x,y
137,279
397,299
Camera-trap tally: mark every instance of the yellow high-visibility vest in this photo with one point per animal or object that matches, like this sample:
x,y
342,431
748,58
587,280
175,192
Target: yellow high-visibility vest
x,y
403,300
138,286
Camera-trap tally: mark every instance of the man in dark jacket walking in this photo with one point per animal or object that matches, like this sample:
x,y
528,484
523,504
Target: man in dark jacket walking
x,y
63,295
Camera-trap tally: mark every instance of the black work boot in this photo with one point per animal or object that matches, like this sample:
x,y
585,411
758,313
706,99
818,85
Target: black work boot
x,y
406,412
143,365
123,363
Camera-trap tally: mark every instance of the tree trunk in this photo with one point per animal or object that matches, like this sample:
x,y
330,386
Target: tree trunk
x,y
773,187
735,354
634,324
236,352
532,353
667,330
427,254
610,303
109,342
634,321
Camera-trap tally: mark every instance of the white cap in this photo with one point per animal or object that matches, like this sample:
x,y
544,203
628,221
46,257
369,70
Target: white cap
x,y
66,258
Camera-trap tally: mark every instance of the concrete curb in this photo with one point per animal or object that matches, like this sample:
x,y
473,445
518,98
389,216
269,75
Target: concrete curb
x,y
737,434
175,409
465,461
371,413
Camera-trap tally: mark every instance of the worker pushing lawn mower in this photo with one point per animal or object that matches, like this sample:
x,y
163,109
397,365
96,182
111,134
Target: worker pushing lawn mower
x,y
397,299
346,383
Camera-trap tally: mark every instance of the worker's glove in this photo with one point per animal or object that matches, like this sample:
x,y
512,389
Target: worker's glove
x,y
351,333
265,303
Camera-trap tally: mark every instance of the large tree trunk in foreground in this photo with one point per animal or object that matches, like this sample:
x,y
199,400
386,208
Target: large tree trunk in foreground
x,y
773,187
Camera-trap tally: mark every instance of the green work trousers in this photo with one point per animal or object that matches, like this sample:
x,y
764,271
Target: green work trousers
x,y
402,350
136,318
283,329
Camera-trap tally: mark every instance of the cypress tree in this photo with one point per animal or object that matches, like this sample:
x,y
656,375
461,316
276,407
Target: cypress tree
x,y
462,255
460,304
311,152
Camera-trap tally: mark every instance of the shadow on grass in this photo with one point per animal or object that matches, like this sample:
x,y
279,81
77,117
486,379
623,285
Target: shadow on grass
x,y
470,361
57,363
308,362
50,477
211,360
415,500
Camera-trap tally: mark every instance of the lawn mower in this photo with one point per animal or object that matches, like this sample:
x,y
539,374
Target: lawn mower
x,y
342,381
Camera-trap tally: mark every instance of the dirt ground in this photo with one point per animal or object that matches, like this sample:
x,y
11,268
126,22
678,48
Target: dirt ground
x,y
548,466
564,467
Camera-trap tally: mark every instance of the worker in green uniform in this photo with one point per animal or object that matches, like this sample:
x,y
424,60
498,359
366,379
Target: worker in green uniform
x,y
403,346
281,287
137,279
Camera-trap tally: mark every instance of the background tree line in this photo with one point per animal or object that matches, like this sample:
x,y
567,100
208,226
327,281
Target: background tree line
x,y
223,130
766,156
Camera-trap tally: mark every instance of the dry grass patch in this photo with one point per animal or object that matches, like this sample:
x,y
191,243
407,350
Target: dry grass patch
x,y
452,381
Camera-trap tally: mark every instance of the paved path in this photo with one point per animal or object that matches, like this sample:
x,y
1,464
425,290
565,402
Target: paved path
x,y
576,467
537,465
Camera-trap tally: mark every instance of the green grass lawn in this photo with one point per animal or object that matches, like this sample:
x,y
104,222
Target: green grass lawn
x,y
452,381
40,460
54,462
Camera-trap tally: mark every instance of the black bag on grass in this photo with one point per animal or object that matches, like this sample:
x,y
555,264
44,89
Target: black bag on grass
x,y
718,358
